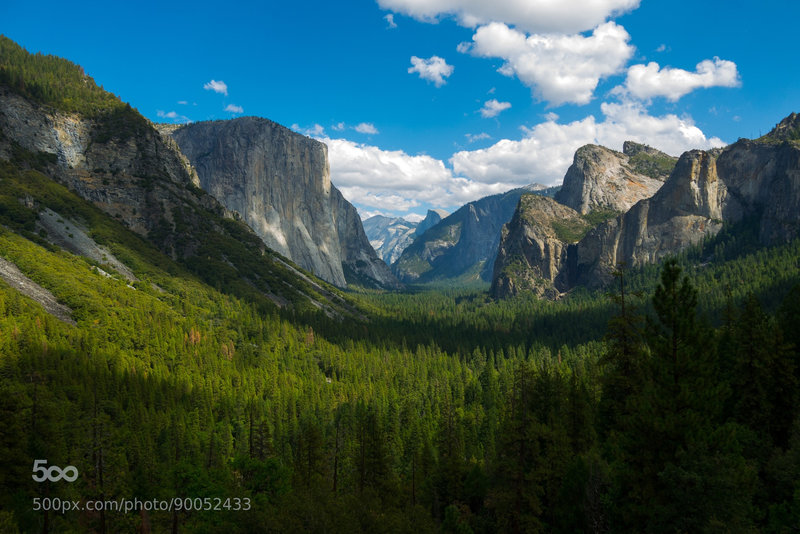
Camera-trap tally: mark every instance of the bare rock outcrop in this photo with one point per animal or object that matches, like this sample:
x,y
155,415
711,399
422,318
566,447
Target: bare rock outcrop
x,y
604,179
359,260
119,162
278,181
758,180
431,219
533,248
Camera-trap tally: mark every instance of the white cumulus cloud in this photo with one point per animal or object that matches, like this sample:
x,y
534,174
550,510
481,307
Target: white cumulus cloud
x,y
533,16
413,217
545,152
558,68
217,86
649,81
396,181
433,69
314,131
174,116
382,201
492,108
366,128
234,108
471,138
391,24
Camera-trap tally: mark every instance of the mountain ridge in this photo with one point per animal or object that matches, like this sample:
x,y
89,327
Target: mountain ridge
x,y
278,181
114,158
462,246
390,236
756,179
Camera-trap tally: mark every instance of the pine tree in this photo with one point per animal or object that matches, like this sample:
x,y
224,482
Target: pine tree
x,y
624,360
763,375
679,467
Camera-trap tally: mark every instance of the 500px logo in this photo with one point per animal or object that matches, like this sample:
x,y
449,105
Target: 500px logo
x,y
53,473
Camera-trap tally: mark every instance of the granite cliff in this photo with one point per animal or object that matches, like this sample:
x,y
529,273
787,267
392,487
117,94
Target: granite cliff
x,y
107,153
117,161
431,219
533,247
360,262
389,236
278,181
604,179
757,180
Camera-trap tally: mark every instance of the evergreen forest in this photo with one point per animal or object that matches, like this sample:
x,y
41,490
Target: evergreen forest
x,y
668,402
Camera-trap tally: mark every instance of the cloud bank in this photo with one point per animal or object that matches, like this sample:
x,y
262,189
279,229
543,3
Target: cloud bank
x,y
545,152
648,81
532,16
558,68
392,181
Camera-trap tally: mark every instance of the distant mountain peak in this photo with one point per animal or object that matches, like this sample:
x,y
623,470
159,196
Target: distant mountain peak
x,y
431,219
389,236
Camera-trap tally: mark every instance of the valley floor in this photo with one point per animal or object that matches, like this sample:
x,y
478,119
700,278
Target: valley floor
x,y
441,410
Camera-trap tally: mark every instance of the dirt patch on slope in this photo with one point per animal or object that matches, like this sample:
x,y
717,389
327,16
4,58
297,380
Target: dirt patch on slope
x,y
14,277
73,238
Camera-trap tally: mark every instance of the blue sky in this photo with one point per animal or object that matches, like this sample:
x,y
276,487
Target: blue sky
x,y
432,103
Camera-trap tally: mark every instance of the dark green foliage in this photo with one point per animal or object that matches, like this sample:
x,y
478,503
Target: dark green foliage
x,y
624,360
678,463
494,434
763,374
52,81
119,124
570,231
595,217
654,166
574,230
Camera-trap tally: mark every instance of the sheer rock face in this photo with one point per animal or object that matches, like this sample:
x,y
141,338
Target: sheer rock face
x,y
359,259
142,180
533,248
747,179
758,180
763,177
601,178
279,182
682,213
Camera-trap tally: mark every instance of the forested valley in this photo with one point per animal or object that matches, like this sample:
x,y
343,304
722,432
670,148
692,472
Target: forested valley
x,y
667,402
